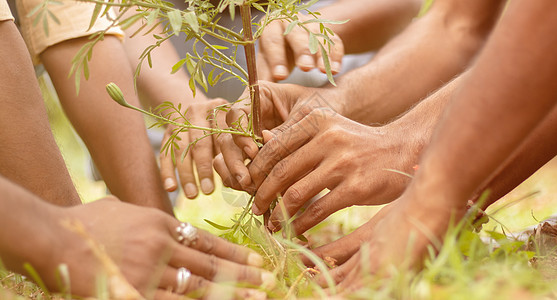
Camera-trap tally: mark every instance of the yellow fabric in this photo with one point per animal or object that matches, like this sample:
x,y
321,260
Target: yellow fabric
x,y
74,20
5,13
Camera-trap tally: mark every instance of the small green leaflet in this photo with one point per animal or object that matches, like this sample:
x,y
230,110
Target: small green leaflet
x,y
175,19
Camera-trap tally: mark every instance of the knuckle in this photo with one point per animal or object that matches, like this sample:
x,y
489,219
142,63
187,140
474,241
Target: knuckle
x,y
316,210
213,266
280,171
293,195
209,245
196,283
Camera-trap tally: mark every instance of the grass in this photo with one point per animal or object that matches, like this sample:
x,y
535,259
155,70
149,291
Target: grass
x,y
466,267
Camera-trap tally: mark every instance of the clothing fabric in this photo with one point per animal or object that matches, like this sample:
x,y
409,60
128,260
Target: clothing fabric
x,y
5,13
74,19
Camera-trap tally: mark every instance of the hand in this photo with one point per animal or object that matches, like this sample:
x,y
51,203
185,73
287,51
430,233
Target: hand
x,y
202,153
399,237
143,244
281,52
325,150
279,102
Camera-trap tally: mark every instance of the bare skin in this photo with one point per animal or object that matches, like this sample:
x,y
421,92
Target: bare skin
x,y
18,163
115,136
403,59
149,260
371,24
492,101
157,85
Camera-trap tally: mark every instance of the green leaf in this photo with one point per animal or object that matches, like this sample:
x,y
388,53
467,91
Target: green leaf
x,y
53,17
34,10
327,63
325,21
217,226
192,86
152,16
191,20
45,26
291,26
86,70
96,12
175,19
178,65
220,47
313,43
210,77
258,7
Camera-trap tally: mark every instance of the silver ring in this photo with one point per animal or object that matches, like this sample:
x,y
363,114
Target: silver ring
x,y
187,234
182,278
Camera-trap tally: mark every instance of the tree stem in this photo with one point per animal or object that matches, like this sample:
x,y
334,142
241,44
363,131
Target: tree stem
x,y
249,48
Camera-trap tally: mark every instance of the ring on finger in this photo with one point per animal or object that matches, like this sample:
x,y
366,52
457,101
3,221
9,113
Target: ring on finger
x,y
182,278
187,234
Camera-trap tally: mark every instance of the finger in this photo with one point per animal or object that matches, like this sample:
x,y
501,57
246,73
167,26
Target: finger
x,y
202,151
298,41
213,268
234,160
227,179
274,50
184,165
210,244
335,53
320,209
296,196
168,174
238,118
199,288
269,161
342,249
340,273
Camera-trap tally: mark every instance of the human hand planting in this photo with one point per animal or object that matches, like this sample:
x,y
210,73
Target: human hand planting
x,y
325,150
397,236
147,248
278,103
201,154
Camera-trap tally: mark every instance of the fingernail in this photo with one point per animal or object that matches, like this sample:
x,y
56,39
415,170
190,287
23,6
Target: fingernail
x,y
280,71
255,260
335,67
169,184
250,152
207,186
272,225
256,211
268,280
306,62
190,190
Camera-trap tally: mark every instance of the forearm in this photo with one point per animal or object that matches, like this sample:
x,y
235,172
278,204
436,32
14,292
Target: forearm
x,y
539,148
427,54
29,155
371,23
26,224
115,136
490,115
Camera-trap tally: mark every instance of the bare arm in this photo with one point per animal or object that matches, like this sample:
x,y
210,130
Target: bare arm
x,y
372,23
115,136
430,52
507,94
25,127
